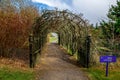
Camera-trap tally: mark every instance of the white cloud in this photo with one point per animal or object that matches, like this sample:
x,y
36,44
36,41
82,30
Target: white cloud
x,y
54,3
93,10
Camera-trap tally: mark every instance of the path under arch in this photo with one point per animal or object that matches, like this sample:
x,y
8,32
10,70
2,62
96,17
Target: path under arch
x,y
54,65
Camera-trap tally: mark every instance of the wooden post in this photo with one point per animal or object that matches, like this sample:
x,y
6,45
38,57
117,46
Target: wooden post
x,y
88,41
31,51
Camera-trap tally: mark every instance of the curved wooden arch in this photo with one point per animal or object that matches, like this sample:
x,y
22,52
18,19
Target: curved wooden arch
x,y
70,28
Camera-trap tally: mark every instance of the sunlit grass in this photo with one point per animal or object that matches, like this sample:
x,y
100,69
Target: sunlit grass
x,y
53,40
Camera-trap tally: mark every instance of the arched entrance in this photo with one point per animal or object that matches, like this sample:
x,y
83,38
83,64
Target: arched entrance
x,y
53,37
72,32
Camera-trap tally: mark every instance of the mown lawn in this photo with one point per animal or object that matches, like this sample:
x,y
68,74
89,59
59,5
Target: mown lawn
x,y
13,74
53,39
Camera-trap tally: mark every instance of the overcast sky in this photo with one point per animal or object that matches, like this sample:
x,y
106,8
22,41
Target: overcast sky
x,y
93,10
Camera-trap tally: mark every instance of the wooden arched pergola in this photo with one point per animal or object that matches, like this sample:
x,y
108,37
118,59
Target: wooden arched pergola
x,y
72,32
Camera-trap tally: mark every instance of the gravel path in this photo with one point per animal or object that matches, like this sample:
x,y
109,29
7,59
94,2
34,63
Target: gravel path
x,y
55,67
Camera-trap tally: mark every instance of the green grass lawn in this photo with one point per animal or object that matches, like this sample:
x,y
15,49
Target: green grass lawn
x,y
10,74
98,74
53,39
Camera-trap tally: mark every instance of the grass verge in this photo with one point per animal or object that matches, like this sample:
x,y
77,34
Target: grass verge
x,y
99,74
14,74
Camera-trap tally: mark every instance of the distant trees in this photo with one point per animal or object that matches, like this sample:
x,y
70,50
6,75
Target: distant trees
x,y
111,29
16,18
114,16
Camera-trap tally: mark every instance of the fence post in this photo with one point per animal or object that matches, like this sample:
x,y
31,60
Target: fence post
x,y
88,41
31,51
